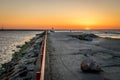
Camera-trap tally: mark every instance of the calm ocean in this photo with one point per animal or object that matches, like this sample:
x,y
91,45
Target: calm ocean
x,y
10,39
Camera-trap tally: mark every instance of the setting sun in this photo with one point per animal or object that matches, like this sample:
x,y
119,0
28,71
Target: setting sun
x,y
88,22
87,28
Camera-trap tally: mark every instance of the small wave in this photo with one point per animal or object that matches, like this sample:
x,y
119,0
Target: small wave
x,y
114,36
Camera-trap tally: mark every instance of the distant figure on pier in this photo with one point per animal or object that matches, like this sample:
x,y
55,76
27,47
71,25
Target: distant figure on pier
x,y
52,30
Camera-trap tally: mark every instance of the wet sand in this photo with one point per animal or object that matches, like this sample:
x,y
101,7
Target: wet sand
x,y
66,53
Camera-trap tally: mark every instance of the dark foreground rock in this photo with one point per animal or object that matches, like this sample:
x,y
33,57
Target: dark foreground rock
x,y
90,65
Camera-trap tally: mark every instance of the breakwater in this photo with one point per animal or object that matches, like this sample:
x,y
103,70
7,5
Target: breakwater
x,y
23,63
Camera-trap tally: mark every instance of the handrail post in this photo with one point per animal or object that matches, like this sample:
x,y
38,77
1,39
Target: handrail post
x,y
37,75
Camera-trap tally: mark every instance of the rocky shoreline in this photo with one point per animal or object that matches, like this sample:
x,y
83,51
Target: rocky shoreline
x,y
23,63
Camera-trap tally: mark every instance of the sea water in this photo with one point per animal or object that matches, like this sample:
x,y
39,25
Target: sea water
x,y
115,34
110,34
10,39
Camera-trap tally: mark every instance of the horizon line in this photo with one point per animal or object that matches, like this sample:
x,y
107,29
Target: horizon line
x,y
48,29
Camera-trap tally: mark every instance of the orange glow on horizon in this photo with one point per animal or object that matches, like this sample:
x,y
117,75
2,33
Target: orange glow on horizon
x,y
60,14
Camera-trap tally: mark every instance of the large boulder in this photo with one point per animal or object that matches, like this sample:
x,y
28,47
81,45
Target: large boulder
x,y
90,65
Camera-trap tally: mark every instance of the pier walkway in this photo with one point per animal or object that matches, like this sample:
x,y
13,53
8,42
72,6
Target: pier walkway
x,y
65,58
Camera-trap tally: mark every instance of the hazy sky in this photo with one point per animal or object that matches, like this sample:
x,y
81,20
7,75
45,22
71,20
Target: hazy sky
x,y
78,13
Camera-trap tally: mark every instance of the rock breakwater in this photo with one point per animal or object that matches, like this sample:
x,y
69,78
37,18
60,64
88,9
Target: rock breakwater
x,y
22,65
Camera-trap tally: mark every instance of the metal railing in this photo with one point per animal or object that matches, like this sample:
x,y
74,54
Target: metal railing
x,y
40,75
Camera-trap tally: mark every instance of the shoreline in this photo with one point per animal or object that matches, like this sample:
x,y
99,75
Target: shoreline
x,y
63,50
23,61
10,40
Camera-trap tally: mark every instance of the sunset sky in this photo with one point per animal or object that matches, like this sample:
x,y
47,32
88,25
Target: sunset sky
x,y
60,14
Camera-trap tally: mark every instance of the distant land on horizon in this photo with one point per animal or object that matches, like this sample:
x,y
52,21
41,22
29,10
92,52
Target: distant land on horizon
x,y
51,29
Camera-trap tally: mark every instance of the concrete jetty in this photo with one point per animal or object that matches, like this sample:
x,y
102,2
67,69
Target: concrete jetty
x,y
65,54
58,55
